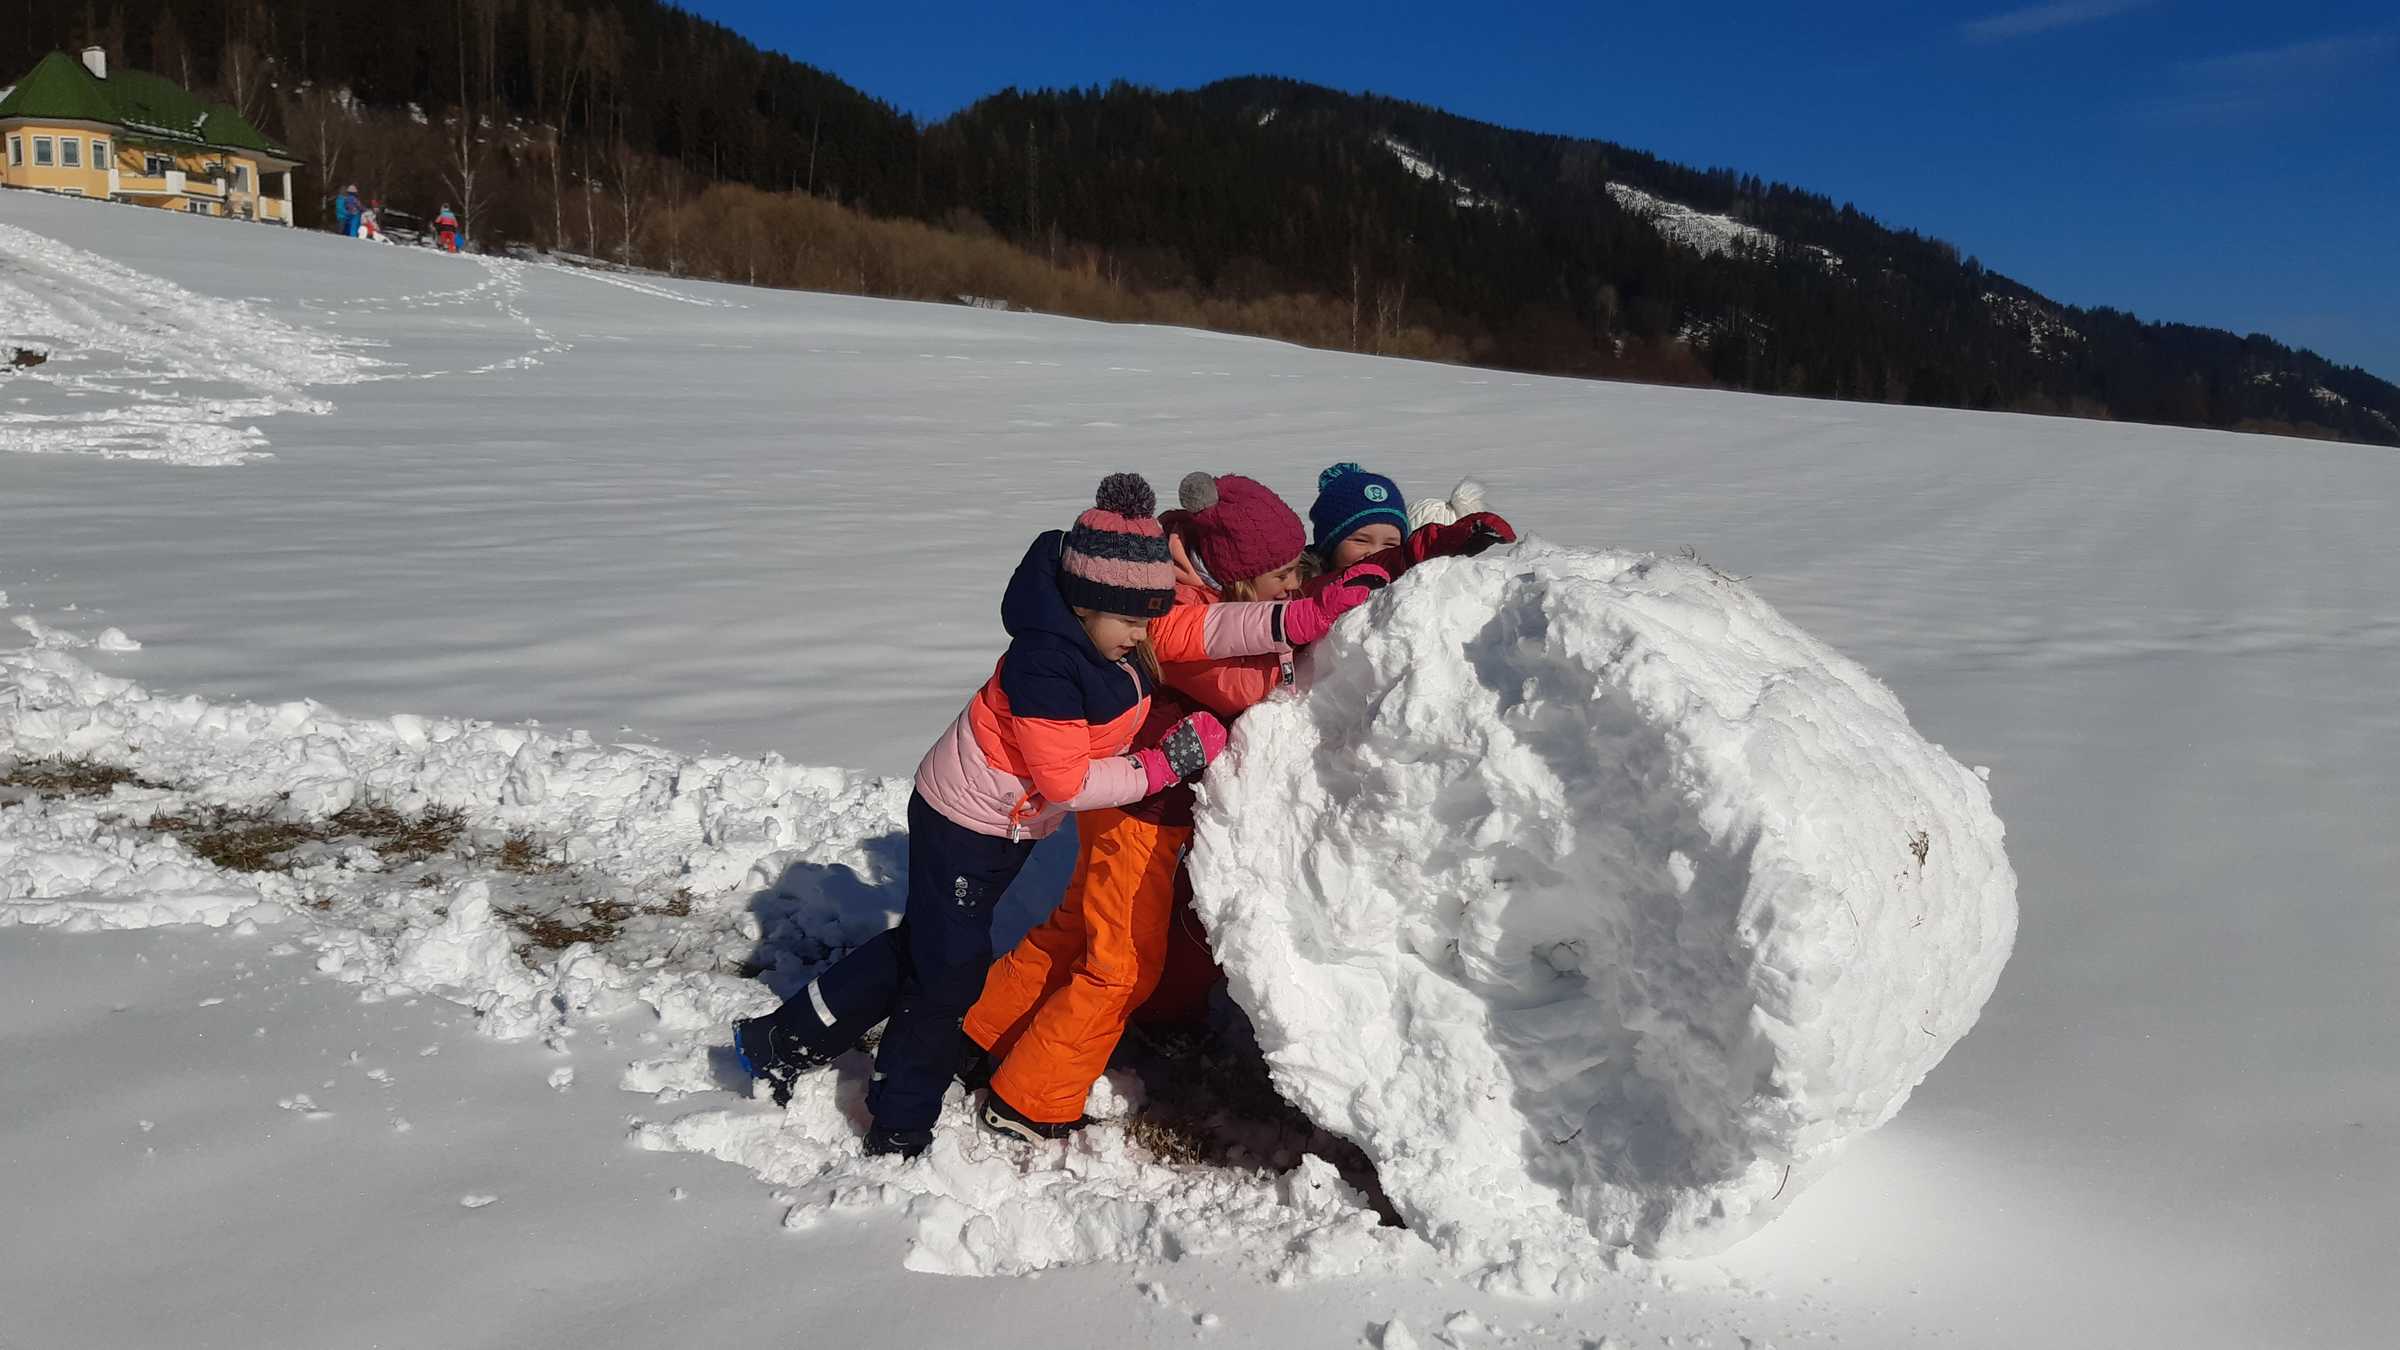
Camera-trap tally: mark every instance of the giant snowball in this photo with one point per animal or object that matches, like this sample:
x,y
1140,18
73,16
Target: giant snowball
x,y
1595,900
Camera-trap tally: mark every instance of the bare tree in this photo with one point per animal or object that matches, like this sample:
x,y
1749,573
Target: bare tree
x,y
243,73
478,64
630,172
323,123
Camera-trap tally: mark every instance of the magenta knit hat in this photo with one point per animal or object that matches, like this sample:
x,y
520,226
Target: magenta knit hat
x,y
1115,559
1241,529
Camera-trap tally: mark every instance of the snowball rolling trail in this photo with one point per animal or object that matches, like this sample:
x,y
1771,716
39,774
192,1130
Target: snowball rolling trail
x,y
169,375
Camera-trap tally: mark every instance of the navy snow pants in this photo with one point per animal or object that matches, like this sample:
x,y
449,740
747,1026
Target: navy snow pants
x,y
922,975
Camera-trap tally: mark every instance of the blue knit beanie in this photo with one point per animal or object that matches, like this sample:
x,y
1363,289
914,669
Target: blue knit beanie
x,y
1348,497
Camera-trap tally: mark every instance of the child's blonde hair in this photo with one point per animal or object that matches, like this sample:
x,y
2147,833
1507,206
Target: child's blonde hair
x,y
1247,587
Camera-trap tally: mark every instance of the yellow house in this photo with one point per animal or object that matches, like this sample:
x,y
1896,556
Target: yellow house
x,y
70,126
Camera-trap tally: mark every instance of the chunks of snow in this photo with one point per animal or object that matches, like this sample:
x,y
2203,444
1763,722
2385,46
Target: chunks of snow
x,y
1594,900
981,1205
58,639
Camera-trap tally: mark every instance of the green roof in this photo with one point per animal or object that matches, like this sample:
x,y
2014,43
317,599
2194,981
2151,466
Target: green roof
x,y
150,106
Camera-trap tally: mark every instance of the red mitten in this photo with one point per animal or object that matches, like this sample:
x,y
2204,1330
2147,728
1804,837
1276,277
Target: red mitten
x,y
1463,538
1190,746
1306,620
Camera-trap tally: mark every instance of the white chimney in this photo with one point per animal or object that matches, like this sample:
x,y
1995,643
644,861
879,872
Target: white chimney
x,y
95,60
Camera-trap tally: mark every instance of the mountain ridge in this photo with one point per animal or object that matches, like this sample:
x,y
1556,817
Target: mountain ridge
x,y
1397,226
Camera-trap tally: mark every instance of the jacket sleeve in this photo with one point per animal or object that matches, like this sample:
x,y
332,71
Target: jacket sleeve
x,y
1227,688
1115,781
1219,632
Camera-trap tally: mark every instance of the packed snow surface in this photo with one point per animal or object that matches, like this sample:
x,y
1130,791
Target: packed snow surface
x,y
1584,886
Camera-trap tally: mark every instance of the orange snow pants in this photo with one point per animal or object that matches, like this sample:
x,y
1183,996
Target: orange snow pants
x,y
1054,1008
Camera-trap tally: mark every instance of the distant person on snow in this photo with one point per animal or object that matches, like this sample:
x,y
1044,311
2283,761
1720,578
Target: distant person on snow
x,y
1123,938
346,210
369,227
445,231
1048,734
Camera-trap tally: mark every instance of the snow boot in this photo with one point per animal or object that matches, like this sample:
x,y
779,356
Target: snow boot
x,y
1001,1118
975,1068
778,1058
898,1143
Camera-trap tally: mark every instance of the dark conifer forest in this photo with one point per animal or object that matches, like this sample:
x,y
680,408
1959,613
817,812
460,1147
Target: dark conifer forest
x,y
631,131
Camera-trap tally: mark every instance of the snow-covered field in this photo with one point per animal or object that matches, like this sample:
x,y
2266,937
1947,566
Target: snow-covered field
x,y
755,539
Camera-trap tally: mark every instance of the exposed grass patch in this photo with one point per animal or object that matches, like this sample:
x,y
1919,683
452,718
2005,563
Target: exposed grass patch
x,y
526,855
1220,1108
255,839
239,839
596,921
63,777
396,834
1178,1142
559,929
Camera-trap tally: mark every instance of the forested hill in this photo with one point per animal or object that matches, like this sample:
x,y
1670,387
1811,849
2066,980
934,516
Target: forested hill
x,y
1262,204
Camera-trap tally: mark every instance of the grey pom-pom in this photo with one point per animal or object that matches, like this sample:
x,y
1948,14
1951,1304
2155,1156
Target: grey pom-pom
x,y
1127,494
1198,492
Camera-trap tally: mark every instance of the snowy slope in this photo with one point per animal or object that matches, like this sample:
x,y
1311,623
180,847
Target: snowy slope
x,y
766,523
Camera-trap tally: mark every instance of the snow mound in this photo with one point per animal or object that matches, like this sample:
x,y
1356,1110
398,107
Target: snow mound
x,y
780,863
1594,900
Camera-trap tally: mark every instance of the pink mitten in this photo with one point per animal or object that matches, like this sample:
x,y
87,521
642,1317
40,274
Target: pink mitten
x,y
1190,746
1306,620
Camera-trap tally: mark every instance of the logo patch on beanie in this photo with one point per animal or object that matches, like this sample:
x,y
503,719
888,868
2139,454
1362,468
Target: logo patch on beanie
x,y
1377,492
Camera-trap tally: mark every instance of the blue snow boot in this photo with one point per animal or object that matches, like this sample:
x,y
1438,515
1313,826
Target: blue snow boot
x,y
883,1143
766,1052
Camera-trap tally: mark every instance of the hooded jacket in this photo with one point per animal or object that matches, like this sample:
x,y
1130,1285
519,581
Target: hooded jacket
x,y
1047,734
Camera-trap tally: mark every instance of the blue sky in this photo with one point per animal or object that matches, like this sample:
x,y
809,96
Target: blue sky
x,y
2228,164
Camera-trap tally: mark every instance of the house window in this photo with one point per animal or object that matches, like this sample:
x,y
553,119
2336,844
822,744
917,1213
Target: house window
x,y
70,152
241,178
196,208
99,153
41,152
156,166
16,152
